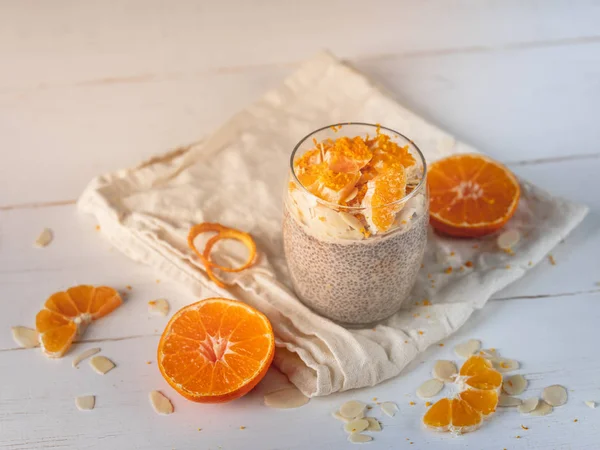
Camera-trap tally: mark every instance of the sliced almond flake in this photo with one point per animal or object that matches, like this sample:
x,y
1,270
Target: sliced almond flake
x,y
430,388
25,337
356,438
591,404
286,399
528,405
101,364
389,408
508,401
160,403
488,353
44,238
508,239
352,409
555,395
351,221
514,385
542,409
445,370
467,349
85,355
353,193
85,402
374,424
158,307
505,365
356,426
338,416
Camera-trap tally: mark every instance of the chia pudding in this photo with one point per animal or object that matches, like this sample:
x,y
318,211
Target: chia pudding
x,y
354,237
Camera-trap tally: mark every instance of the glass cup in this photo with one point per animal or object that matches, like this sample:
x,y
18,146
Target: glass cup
x,y
341,265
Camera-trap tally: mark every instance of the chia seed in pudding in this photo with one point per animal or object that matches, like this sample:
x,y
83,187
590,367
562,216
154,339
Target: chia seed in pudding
x,y
354,282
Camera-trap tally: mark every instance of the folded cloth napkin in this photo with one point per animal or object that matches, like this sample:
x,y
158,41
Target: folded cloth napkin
x,y
236,177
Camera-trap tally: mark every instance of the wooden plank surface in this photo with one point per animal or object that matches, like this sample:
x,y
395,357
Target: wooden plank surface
x,y
90,87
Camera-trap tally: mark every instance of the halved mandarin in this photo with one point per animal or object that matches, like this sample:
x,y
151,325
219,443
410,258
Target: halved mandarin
x,y
66,315
471,195
478,399
348,155
216,350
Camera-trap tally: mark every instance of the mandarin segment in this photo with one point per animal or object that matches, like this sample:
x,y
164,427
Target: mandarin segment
x,y
104,301
348,155
81,297
61,303
439,416
464,418
234,346
56,341
483,401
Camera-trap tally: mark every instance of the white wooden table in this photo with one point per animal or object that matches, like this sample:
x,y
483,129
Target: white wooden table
x,y
90,87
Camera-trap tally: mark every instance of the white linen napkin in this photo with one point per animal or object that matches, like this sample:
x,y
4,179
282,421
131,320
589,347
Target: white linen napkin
x,y
236,177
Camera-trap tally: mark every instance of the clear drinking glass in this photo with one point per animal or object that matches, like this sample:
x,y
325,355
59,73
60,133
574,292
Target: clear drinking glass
x,y
338,268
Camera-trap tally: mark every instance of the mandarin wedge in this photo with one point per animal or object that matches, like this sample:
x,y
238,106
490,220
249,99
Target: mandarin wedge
x,y
216,350
471,195
479,384
66,315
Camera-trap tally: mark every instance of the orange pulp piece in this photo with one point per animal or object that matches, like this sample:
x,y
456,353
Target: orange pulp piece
x,y
223,232
478,399
388,188
216,350
348,155
66,315
471,195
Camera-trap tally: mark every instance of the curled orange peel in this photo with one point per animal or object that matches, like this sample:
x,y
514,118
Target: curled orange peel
x,y
223,232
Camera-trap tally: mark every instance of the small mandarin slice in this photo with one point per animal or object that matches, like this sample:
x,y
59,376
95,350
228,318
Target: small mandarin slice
x,y
66,315
387,188
215,350
471,195
478,399
348,155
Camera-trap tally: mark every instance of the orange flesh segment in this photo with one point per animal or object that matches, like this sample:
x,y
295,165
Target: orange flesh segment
x,y
463,416
483,401
475,365
439,415
216,350
348,155
66,314
471,195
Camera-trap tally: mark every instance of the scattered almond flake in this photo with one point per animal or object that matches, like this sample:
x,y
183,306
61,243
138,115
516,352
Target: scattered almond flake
x,y
488,353
85,402
389,408
101,364
161,404
430,388
286,399
85,355
158,307
356,438
44,238
467,349
25,337
591,404
508,239
542,409
514,385
508,401
352,409
528,405
505,365
552,260
555,395
356,426
338,416
374,424
444,370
